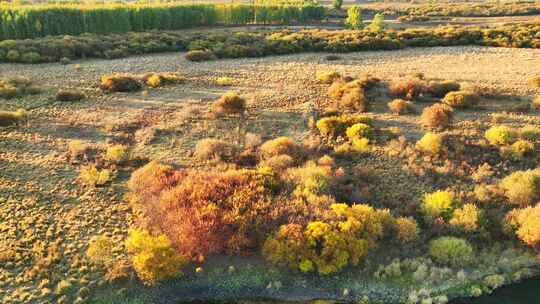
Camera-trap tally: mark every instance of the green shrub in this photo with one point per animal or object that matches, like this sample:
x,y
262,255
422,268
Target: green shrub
x,y
100,250
13,56
31,57
500,135
354,17
199,55
451,251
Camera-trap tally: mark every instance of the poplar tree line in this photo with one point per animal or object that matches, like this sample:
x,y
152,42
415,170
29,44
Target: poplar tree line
x,y
30,22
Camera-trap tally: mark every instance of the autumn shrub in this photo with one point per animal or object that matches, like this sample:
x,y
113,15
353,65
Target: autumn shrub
x,y
210,149
91,176
460,99
327,76
11,87
328,246
147,182
208,212
359,131
153,257
530,132
116,154
400,106
535,104
466,218
279,146
522,187
451,251
438,203
155,80
225,81
408,89
500,135
9,118
199,55
431,143
407,230
522,148
535,82
229,103
526,223
69,95
441,89
353,100
334,126
100,250
279,162
77,148
437,116
120,83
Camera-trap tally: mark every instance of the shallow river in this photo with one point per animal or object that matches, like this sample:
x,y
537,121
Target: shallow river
x,y
527,292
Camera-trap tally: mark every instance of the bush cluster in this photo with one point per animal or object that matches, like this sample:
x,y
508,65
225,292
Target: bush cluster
x,y
334,126
451,251
262,43
17,87
10,118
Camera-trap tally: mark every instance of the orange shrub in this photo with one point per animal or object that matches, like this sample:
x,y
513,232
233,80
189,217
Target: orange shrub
x,y
437,116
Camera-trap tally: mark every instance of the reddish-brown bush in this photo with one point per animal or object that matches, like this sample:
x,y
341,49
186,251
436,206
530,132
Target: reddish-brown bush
x,y
437,116
408,89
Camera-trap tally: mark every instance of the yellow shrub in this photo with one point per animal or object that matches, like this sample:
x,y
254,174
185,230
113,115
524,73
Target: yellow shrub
x,y
358,131
90,175
279,146
521,148
327,76
522,187
460,99
100,250
466,217
430,143
224,81
334,126
500,135
153,258
438,203
535,104
406,230
526,222
116,154
328,246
